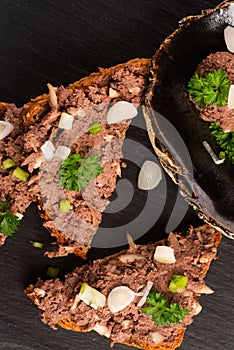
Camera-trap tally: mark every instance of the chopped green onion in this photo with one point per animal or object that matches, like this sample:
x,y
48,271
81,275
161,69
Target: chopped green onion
x,y
95,128
222,155
91,296
52,271
178,283
64,205
21,174
8,163
36,244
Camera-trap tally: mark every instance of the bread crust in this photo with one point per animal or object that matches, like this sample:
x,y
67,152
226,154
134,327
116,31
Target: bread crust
x,y
35,109
70,325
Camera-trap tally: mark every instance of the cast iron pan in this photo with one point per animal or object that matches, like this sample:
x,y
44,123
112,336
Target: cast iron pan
x,y
208,187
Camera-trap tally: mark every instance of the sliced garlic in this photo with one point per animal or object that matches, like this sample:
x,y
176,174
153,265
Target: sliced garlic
x,y
231,97
130,258
215,159
62,152
121,111
5,129
48,150
102,330
145,293
66,121
229,38
91,296
164,254
150,175
119,298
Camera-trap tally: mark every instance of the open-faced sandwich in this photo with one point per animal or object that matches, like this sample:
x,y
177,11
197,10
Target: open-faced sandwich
x,y
70,152
144,296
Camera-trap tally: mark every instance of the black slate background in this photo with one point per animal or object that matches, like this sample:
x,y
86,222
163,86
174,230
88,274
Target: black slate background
x,y
60,42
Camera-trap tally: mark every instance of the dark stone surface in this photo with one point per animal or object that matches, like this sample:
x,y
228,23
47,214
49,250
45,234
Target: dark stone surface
x,y
60,42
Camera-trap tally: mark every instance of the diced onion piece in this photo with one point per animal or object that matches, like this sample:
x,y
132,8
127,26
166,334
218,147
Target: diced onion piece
x,y
121,111
5,129
20,174
66,121
102,330
145,293
157,337
91,296
64,205
8,163
231,97
150,175
53,96
113,93
119,298
62,152
216,160
48,150
76,302
229,38
164,254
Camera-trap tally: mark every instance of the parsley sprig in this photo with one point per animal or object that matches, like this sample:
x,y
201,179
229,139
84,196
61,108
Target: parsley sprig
x,y
8,221
211,89
76,171
224,139
162,312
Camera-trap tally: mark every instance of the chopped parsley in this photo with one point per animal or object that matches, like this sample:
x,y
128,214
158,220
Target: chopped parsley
x,y
8,221
225,140
211,89
76,171
162,312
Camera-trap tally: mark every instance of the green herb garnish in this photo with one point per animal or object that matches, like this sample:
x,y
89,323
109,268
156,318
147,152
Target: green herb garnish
x,y
162,312
225,140
8,221
76,171
177,283
211,89
95,128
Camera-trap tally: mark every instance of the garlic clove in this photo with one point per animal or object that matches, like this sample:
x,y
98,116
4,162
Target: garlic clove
x,y
150,175
121,111
229,38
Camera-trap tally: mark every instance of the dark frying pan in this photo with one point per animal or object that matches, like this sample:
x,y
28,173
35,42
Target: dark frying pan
x,y
208,187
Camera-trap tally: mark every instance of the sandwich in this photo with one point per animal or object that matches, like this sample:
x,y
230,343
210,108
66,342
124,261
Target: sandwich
x,y
144,296
71,140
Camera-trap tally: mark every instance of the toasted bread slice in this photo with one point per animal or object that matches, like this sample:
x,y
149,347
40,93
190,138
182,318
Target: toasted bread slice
x,y
95,93
59,303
